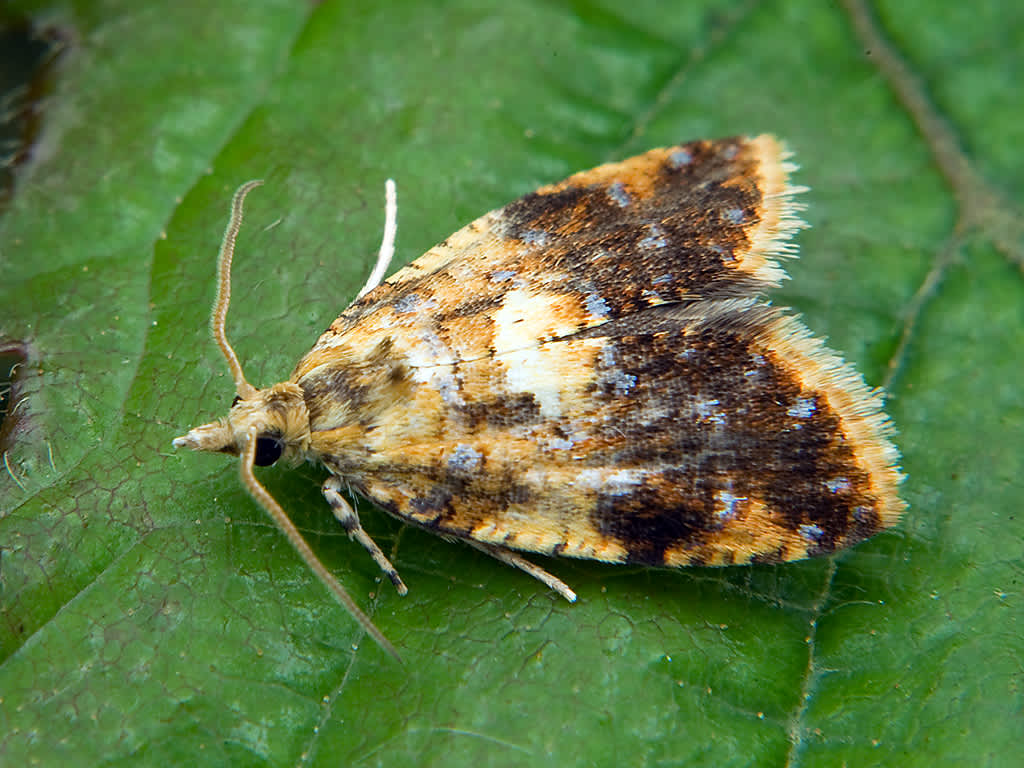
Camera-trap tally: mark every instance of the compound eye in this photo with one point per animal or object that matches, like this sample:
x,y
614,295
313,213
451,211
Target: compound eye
x,y
268,450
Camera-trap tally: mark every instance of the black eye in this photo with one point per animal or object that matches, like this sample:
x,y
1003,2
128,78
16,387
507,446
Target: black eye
x,y
268,450
236,401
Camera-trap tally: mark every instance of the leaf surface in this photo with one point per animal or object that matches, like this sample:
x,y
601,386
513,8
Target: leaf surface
x,y
149,612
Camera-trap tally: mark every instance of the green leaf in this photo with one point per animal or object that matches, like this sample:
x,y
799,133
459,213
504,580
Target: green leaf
x,y
149,612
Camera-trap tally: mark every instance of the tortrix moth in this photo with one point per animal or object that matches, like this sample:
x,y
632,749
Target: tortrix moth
x,y
588,372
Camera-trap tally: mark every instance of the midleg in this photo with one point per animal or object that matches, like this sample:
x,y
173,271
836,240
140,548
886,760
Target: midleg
x,y
349,520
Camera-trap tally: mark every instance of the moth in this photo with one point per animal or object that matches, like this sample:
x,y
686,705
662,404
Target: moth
x,y
590,371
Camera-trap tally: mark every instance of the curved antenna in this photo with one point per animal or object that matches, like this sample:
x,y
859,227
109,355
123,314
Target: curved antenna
x,y
244,389
387,243
262,495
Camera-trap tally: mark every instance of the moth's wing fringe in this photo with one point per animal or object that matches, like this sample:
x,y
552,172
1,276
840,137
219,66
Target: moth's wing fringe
x,y
867,428
772,237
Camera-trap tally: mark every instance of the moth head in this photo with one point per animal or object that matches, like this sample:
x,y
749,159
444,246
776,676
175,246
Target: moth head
x,y
265,425
275,417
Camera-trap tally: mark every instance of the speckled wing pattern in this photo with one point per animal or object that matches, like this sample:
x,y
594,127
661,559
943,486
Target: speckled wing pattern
x,y
588,372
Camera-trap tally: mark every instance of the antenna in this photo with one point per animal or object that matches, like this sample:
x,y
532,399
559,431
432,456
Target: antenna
x,y
244,389
280,517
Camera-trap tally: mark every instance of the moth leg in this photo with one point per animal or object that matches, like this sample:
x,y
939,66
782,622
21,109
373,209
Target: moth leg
x,y
517,561
349,520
